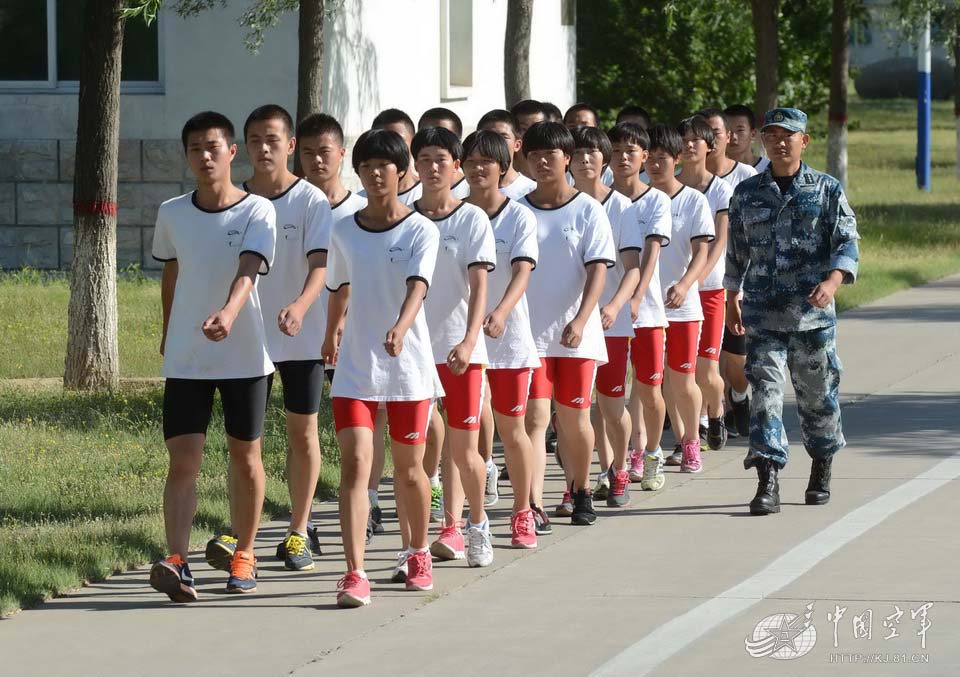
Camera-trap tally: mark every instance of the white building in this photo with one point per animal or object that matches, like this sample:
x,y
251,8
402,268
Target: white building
x,y
408,54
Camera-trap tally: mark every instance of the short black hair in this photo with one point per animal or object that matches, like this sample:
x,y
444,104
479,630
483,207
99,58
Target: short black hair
x,y
381,144
581,106
628,112
393,116
665,138
699,127
741,111
317,124
441,137
629,132
528,107
548,135
708,113
591,137
500,115
441,113
207,120
488,144
552,112
271,111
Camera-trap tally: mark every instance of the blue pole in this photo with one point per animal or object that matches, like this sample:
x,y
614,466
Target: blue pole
x,y
923,108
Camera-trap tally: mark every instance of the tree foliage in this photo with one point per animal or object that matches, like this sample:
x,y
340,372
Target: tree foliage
x,y
674,57
907,18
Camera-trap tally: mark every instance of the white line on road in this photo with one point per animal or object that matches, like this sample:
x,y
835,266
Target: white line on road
x,y
644,656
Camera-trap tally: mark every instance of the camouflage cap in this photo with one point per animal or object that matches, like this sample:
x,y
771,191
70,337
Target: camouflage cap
x,y
791,119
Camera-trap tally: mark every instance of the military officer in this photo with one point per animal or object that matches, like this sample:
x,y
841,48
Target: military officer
x,y
792,243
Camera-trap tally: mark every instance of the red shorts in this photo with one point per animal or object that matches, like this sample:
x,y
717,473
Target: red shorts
x,y
711,334
646,354
407,419
682,341
612,377
509,390
464,396
568,380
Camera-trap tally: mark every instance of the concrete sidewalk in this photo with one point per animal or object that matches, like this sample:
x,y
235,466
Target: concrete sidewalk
x,y
673,585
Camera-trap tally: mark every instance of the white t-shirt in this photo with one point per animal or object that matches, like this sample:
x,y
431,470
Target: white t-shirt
x,y
762,164
466,240
739,172
606,176
515,234
461,189
407,197
303,227
718,194
616,205
650,217
348,206
377,266
207,246
570,237
519,187
691,219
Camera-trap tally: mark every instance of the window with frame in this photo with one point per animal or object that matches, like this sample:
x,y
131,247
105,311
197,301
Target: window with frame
x,y
456,45
40,42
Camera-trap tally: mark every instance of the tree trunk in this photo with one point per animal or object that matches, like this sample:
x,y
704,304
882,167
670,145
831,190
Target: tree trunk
x,y
766,22
956,93
839,77
516,51
310,64
92,361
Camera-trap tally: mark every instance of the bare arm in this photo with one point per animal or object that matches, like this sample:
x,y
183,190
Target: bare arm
x,y
648,264
217,327
291,318
459,357
677,294
628,285
412,302
168,285
337,306
717,248
494,324
592,288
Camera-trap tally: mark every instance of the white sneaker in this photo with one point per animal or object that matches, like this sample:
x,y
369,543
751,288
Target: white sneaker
x,y
479,547
400,568
653,477
490,493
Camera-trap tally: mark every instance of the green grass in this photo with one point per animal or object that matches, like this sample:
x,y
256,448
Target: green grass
x,y
81,476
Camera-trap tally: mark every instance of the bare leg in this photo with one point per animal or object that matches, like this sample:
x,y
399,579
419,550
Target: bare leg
x,y
180,491
653,407
617,426
536,421
249,482
356,454
711,386
638,418
604,450
303,467
408,472
379,450
683,396
518,453
463,446
486,427
578,443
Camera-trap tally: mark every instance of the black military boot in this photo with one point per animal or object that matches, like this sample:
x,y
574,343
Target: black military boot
x,y
767,499
818,489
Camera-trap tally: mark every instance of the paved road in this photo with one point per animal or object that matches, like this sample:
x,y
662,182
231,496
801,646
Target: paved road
x,y
673,585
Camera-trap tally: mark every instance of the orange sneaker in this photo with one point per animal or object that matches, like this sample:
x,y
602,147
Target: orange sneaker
x,y
243,573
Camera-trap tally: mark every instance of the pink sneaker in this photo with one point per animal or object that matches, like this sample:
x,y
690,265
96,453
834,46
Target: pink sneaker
x,y
523,530
450,544
420,570
691,457
636,466
354,591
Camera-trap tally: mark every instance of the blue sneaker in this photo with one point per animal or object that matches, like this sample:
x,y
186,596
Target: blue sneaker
x,y
296,553
243,573
172,577
220,551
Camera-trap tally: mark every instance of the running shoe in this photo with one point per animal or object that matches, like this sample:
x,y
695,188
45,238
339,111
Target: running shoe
x,y
172,577
491,494
450,544
419,571
377,514
354,591
583,512
436,503
691,457
741,413
565,509
636,466
243,573
653,477
479,546
400,568
296,553
703,434
313,542
676,458
716,434
602,488
619,494
523,530
541,522
220,551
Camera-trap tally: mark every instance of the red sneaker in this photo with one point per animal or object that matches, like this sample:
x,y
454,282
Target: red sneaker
x,y
523,530
354,591
450,544
420,570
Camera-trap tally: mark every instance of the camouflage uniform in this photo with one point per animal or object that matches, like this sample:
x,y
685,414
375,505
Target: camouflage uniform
x,y
781,246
